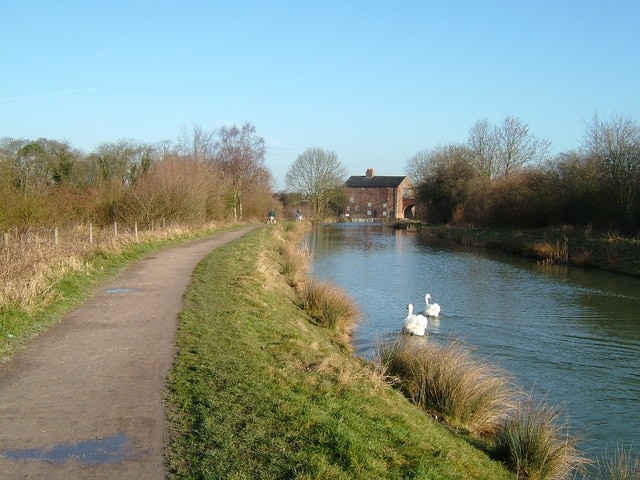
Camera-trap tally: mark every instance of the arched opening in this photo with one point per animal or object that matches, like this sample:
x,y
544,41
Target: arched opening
x,y
409,211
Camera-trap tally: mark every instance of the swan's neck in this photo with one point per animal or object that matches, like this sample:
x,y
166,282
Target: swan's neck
x,y
410,307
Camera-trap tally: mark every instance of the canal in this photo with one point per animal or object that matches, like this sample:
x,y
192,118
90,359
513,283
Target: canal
x,y
570,334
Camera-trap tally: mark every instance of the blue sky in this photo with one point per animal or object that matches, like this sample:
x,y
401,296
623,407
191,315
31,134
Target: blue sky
x,y
374,81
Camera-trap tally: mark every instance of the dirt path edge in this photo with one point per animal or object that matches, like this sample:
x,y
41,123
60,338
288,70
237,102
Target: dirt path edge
x,y
85,399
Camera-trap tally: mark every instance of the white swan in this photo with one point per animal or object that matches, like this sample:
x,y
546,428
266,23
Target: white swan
x,y
430,309
415,324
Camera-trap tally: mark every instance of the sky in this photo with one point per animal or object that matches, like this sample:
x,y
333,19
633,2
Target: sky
x,y
373,81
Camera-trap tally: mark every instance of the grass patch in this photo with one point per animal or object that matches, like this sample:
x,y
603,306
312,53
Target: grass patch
x,y
446,380
260,390
536,445
329,306
622,465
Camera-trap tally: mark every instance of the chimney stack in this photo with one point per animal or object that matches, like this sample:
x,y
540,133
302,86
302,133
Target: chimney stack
x,y
369,173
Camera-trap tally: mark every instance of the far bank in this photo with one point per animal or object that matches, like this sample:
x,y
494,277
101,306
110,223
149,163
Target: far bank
x,y
567,245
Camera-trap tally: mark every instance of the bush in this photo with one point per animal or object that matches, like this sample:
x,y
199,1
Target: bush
x,y
329,306
445,380
535,445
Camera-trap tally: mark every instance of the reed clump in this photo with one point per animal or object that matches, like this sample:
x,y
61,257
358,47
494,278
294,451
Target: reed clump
x,y
329,306
446,380
623,465
535,444
478,398
295,264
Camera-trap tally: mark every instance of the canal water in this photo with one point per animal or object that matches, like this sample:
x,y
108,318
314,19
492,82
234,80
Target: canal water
x,y
570,334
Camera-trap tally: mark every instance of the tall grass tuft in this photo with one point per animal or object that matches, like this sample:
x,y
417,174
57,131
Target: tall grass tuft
x,y
447,381
295,264
536,445
329,306
622,465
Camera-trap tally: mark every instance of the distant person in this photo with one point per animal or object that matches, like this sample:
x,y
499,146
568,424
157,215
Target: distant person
x,y
298,215
272,216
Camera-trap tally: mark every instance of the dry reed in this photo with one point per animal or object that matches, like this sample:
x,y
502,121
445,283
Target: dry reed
x,y
468,393
623,465
329,306
33,261
535,444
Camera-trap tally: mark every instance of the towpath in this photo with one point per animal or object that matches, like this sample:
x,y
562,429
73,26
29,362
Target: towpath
x,y
85,399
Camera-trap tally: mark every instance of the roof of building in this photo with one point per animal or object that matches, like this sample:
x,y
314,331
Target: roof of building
x,y
376,181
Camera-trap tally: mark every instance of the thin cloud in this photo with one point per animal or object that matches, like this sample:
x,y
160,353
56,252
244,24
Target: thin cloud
x,y
270,142
48,94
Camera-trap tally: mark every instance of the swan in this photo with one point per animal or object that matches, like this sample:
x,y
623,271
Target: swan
x,y
430,309
415,324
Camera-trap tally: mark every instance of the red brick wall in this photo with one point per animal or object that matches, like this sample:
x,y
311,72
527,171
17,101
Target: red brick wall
x,y
384,203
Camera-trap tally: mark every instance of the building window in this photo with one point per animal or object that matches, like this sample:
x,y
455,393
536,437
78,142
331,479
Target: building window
x,y
384,214
384,205
348,208
369,212
351,200
369,204
406,193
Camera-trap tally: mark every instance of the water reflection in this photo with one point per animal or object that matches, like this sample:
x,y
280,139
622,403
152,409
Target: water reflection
x,y
571,334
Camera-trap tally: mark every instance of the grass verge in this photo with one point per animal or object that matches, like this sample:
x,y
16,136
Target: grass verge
x,y
260,390
68,280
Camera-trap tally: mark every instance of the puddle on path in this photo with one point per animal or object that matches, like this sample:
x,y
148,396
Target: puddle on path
x,y
121,290
95,452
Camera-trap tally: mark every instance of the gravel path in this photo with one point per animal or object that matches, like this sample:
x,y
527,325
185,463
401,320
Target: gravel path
x,y
85,399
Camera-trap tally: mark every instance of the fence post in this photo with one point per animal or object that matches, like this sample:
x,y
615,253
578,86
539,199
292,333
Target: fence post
x,y
135,230
55,236
115,229
6,239
90,233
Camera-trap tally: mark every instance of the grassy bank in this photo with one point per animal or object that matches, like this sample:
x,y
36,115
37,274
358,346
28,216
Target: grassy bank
x,y
262,389
579,247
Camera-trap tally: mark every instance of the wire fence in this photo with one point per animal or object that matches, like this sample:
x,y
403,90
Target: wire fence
x,y
33,259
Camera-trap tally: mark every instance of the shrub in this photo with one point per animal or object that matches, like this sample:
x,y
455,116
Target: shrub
x,y
535,445
329,306
468,393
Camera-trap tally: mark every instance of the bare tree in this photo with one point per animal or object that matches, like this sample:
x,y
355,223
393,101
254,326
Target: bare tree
x,y
199,145
517,147
240,152
501,150
483,146
615,147
317,176
419,165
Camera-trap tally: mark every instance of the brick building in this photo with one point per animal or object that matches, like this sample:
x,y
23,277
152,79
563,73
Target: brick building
x,y
379,197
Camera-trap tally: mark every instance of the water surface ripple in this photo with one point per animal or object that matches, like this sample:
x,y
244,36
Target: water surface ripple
x,y
570,334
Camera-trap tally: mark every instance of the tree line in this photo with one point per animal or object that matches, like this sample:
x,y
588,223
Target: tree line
x,y
504,176
202,176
